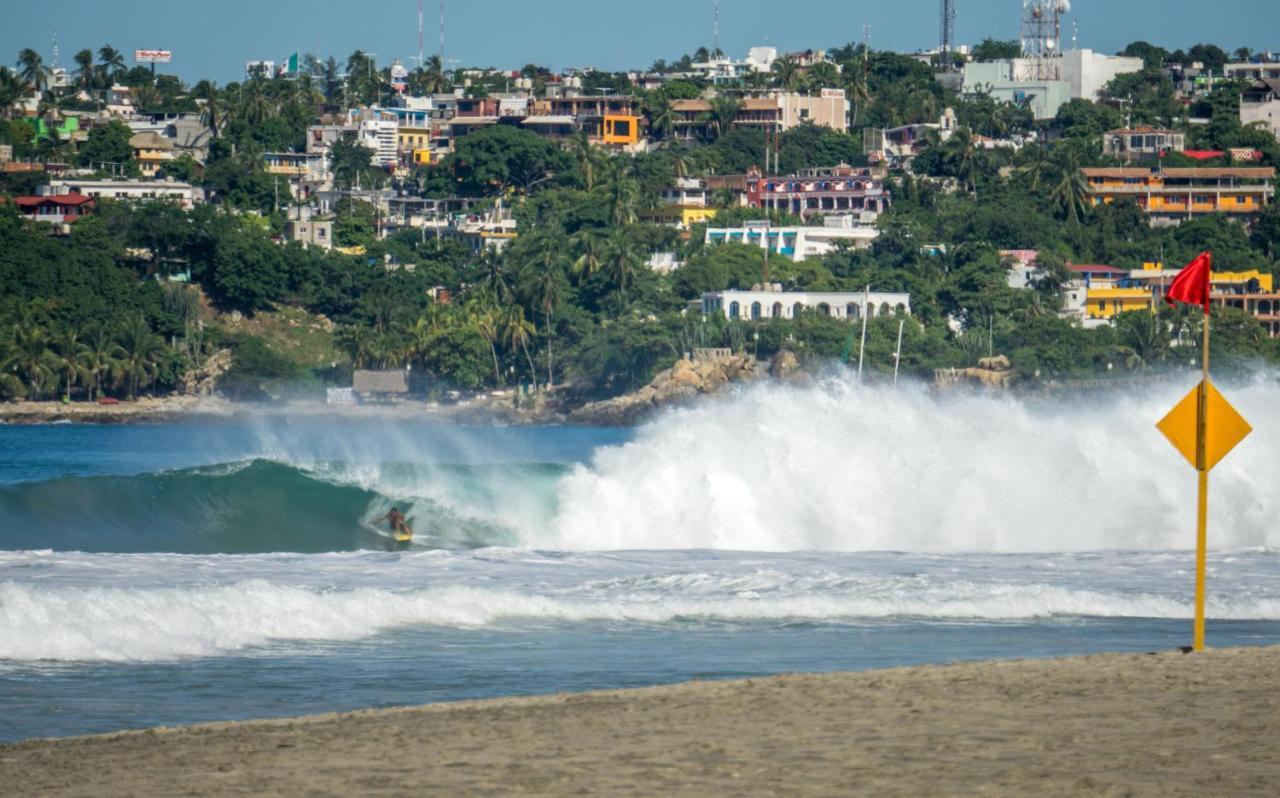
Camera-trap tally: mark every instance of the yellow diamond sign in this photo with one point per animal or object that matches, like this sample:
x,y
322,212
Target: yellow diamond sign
x,y
1224,427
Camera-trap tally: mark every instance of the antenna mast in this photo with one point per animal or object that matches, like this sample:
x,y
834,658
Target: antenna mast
x,y
421,65
946,39
1042,38
715,32
442,35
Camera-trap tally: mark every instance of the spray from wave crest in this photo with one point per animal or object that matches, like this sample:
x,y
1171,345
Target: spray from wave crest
x,y
849,468
165,623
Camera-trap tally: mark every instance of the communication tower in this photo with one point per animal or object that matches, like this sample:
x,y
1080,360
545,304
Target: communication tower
x,y
1042,39
946,39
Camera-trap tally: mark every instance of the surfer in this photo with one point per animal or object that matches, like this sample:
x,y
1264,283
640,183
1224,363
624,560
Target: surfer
x,y
399,527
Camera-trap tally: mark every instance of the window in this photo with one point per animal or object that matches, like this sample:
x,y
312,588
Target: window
x,y
733,310
755,310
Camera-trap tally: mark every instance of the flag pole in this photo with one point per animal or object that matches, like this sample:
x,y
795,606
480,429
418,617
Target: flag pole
x,y
1202,477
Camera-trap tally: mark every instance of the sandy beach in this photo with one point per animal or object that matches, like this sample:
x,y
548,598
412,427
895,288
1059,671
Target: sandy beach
x,y
1111,724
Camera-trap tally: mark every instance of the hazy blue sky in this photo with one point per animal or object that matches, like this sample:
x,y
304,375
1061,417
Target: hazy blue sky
x,y
214,39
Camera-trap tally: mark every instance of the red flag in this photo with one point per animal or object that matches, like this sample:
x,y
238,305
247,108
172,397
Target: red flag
x,y
1191,286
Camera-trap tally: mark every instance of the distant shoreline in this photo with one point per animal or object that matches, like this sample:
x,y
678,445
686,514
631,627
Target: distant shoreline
x,y
1133,724
175,409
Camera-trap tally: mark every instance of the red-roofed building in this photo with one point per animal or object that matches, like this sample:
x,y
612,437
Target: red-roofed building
x,y
57,209
1203,155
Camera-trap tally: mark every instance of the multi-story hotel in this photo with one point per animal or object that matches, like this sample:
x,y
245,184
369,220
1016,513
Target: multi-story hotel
x,y
1170,195
836,189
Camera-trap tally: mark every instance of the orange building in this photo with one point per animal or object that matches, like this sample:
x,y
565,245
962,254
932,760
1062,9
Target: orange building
x,y
1171,195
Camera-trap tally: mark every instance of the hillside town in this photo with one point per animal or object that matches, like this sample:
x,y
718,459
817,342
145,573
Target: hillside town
x,y
574,232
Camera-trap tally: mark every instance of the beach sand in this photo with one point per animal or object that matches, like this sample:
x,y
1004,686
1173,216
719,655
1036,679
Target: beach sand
x,y
1113,724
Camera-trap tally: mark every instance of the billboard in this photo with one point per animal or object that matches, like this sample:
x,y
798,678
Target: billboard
x,y
152,56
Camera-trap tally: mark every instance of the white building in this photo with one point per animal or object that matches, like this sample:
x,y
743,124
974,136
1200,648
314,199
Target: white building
x,y
777,304
1249,70
379,135
184,194
796,243
1260,104
1080,75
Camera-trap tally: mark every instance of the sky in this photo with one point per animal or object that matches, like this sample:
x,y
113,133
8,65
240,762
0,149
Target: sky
x,y
215,39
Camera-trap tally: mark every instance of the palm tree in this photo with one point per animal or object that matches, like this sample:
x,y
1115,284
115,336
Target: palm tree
x,y
786,72
623,192
484,321
857,88
1035,165
590,158
330,79
140,351
824,75
589,246
213,108
495,281
12,89
549,294
85,73
32,68
1070,191
68,361
962,150
112,61
254,107
435,81
101,356
516,330
30,359
355,341
662,119
620,262
723,111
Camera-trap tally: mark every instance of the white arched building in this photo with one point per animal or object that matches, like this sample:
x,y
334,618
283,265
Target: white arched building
x,y
789,304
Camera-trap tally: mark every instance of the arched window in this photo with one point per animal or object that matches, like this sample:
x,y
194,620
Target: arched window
x,y
900,308
851,310
733,310
777,310
885,310
796,310
755,310
824,309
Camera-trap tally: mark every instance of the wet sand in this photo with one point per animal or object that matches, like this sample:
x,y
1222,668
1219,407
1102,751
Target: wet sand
x,y
1111,724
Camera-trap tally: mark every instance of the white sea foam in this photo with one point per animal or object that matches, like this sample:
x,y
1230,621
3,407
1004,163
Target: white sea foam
x,y
847,468
73,623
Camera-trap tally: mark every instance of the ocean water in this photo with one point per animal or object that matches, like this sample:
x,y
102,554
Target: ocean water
x,y
170,574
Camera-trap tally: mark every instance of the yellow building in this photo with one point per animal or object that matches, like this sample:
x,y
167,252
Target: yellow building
x,y
1174,194
682,216
151,151
1105,303
623,129
414,144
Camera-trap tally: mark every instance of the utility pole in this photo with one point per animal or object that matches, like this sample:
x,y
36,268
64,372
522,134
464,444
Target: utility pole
x,y
897,355
866,311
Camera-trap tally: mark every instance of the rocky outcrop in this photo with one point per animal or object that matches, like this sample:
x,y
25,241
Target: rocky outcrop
x,y
202,380
992,373
683,382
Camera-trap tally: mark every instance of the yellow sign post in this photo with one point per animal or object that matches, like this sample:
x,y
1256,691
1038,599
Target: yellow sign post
x,y
1204,427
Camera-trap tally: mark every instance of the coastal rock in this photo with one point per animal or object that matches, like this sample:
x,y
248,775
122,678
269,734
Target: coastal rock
x,y
202,381
704,374
992,373
785,366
